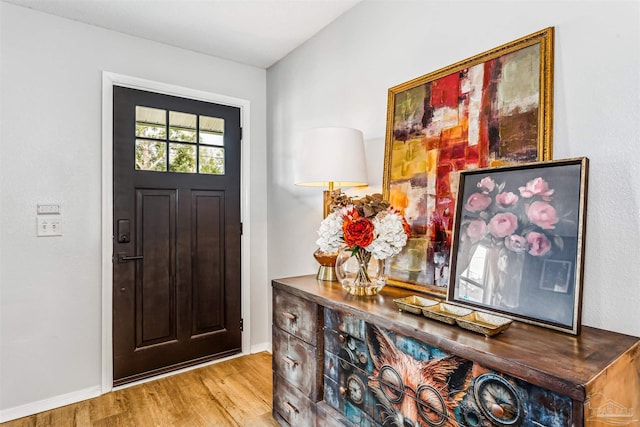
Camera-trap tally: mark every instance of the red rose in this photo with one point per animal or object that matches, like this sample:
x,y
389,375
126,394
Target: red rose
x,y
358,231
407,227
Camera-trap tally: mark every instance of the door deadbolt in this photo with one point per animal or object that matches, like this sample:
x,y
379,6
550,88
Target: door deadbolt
x,y
124,234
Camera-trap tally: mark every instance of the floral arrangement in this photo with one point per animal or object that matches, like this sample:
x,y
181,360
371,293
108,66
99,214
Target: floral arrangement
x,y
368,224
521,222
367,227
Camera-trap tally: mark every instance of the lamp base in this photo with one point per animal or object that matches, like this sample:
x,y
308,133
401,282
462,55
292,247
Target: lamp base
x,y
327,273
327,262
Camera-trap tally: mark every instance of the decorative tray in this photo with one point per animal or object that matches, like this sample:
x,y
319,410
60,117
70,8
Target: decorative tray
x,y
414,304
447,313
484,323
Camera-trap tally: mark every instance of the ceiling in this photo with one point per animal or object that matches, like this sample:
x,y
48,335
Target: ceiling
x,y
253,32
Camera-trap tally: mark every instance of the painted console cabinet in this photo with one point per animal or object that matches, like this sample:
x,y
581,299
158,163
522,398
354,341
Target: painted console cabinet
x,y
340,360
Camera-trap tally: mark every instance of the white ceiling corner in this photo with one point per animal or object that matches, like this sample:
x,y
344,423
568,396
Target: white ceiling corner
x,y
252,32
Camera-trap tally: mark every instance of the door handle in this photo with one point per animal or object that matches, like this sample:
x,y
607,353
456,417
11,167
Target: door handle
x,y
123,257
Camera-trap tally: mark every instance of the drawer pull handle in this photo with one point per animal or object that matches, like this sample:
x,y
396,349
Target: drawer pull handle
x,y
289,316
291,408
343,392
362,358
289,361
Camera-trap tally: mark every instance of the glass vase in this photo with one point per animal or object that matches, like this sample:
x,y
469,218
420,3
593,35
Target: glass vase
x,y
359,273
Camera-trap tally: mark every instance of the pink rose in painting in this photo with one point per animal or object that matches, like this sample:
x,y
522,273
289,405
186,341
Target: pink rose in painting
x,y
503,224
537,187
477,202
543,215
487,184
538,243
507,199
516,243
476,230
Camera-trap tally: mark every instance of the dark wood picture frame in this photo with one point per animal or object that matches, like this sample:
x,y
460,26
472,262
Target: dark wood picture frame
x,y
518,242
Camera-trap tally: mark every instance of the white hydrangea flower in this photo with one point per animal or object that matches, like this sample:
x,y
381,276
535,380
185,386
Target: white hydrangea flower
x,y
330,232
390,236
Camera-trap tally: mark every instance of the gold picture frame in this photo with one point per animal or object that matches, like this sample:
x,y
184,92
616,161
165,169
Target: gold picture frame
x,y
493,109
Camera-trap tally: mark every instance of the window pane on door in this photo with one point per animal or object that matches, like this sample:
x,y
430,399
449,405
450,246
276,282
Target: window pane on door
x,y
151,155
182,126
182,158
211,131
211,160
151,123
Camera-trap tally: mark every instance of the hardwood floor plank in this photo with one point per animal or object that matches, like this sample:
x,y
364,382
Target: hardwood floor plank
x,y
237,392
106,406
262,420
236,397
199,405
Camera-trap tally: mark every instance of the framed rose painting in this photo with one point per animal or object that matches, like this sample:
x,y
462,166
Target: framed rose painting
x,y
489,110
518,242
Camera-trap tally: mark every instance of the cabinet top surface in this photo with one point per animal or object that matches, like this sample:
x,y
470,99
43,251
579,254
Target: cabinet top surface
x,y
553,359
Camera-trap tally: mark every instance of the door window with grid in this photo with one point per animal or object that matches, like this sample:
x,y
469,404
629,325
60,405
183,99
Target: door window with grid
x,y
173,141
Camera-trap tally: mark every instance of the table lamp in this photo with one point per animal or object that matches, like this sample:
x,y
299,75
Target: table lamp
x,y
332,158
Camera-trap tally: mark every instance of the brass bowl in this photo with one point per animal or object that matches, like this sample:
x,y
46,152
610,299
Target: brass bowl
x,y
447,313
414,304
484,323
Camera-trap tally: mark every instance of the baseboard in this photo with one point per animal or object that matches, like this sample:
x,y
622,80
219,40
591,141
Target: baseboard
x,y
48,404
257,348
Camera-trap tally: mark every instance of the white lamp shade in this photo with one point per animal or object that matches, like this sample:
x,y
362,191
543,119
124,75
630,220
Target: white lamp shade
x,y
334,154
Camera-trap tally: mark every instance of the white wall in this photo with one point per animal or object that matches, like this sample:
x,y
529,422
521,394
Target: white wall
x,y
51,98
341,78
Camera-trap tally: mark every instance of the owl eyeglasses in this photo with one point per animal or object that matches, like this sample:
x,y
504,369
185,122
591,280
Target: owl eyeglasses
x,y
429,401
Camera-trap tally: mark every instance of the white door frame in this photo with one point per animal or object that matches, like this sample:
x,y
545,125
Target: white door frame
x,y
108,81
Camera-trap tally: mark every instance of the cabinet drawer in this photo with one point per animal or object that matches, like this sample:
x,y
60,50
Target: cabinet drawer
x,y
348,349
329,417
346,389
296,316
296,361
292,405
344,323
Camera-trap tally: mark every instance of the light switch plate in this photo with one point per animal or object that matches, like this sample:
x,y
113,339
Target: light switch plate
x,y
48,209
49,226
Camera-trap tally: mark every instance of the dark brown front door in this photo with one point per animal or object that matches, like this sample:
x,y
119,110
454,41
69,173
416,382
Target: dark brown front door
x,y
176,243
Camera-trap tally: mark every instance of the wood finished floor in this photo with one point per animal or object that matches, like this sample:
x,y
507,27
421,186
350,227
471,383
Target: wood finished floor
x,y
237,392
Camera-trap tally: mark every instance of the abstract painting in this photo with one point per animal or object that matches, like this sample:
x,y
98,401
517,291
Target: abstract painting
x,y
489,110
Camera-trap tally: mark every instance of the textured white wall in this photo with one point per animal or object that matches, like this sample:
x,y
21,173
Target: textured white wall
x,y
341,78
51,87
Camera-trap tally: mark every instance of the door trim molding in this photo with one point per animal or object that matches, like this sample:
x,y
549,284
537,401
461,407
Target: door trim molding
x,y
109,80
